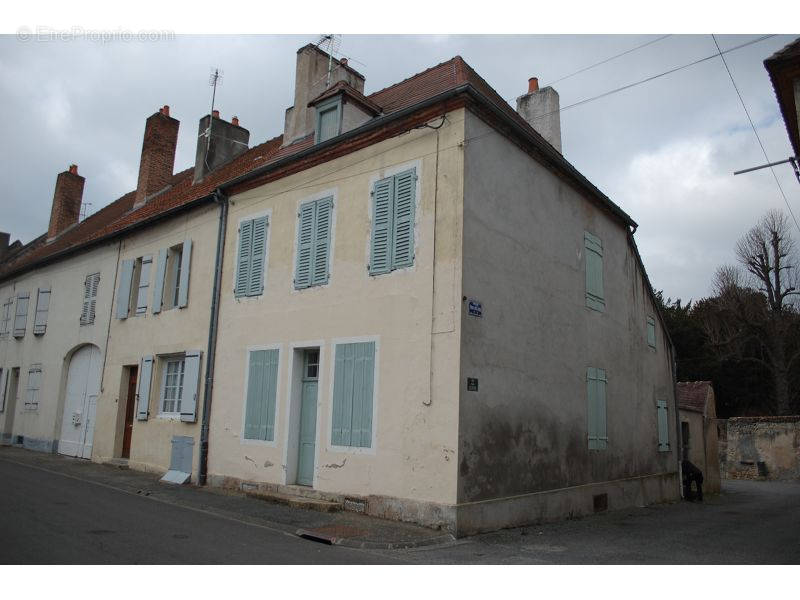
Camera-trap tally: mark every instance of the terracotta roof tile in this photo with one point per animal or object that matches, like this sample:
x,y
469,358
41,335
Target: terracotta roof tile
x,y
692,395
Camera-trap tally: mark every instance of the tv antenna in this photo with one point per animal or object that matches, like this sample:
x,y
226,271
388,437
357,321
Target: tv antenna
x,y
84,210
214,80
333,41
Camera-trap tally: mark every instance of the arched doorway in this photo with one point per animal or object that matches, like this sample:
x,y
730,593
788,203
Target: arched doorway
x,y
80,403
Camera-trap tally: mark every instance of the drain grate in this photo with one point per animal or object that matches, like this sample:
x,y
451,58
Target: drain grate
x,y
330,534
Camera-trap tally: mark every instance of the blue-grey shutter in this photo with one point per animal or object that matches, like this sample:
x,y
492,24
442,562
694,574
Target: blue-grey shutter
x,y
243,259
382,213
21,315
262,384
158,284
186,264
143,388
191,377
42,308
255,285
305,241
354,368
594,271
3,380
124,289
663,425
596,392
144,284
403,221
322,241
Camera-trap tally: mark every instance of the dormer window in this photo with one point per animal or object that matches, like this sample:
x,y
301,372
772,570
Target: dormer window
x,y
329,119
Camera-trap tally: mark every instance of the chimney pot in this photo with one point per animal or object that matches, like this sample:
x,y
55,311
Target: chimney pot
x,y
235,121
533,85
215,114
165,110
73,169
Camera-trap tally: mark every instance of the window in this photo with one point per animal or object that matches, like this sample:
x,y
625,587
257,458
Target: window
x,y
172,390
5,318
596,393
663,425
392,245
21,316
594,272
329,119
251,257
313,243
171,286
42,308
262,383
34,384
89,298
651,332
141,279
354,371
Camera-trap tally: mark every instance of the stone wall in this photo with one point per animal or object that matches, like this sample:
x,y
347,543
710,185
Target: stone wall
x,y
763,448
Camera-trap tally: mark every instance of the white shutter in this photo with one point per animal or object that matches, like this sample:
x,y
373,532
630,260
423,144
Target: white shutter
x,y
158,284
144,284
183,284
21,315
42,308
143,388
191,376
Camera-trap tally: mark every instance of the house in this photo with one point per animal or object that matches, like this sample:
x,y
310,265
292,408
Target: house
x,y
783,68
408,302
699,439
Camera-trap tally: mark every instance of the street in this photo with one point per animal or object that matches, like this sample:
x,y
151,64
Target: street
x,y
56,510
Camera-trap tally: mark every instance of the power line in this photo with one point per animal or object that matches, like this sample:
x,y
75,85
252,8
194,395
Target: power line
x,y
755,131
602,62
652,77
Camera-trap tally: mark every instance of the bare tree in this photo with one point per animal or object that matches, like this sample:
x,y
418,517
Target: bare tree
x,y
755,316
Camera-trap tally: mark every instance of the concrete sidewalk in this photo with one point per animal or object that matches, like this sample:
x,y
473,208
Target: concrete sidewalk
x,y
337,528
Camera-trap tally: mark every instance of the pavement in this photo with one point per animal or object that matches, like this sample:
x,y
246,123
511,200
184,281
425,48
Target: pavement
x,y
58,510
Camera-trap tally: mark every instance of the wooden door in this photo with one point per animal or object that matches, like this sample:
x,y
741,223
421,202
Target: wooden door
x,y
308,419
130,407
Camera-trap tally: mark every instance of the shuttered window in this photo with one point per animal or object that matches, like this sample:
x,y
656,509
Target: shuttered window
x,y
42,308
594,272
393,206
651,332
145,263
171,285
5,318
329,118
34,385
313,243
143,384
596,392
90,298
663,426
353,380
21,315
251,257
262,385
172,387
124,288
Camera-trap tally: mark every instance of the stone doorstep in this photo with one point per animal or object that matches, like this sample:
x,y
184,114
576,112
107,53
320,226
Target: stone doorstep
x,y
119,463
295,501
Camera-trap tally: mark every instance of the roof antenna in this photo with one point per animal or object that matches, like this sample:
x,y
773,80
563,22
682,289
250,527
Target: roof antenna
x,y
333,41
84,210
214,80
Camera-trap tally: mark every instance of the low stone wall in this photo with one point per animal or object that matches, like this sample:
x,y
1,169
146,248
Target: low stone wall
x,y
763,448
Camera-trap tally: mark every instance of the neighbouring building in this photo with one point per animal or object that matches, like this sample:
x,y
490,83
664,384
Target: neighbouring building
x,y
408,302
784,72
699,439
763,447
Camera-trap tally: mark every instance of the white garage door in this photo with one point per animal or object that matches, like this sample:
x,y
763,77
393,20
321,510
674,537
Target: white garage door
x,y
83,387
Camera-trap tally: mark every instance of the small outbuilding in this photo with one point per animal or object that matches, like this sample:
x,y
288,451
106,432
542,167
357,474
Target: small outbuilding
x,y
699,444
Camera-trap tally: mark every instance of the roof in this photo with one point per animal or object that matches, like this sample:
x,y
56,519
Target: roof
x,y
784,68
452,76
693,395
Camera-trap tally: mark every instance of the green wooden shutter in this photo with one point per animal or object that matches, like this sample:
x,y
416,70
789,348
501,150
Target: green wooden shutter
x,y
305,249
403,219
255,284
596,393
124,289
353,387
262,385
382,214
158,284
243,258
663,425
322,241
186,265
594,272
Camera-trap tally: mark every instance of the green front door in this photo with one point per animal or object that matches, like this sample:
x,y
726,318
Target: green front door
x,y
308,418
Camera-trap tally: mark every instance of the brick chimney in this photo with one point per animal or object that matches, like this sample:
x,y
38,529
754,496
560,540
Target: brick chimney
x,y
158,155
228,140
310,80
540,108
67,198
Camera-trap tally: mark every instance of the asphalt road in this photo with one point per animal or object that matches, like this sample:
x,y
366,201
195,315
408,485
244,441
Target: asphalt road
x,y
47,518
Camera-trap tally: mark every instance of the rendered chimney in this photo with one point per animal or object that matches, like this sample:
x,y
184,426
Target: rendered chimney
x,y
228,140
158,155
540,108
310,80
67,198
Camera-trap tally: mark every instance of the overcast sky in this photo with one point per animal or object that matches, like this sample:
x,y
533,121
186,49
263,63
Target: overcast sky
x,y
664,151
